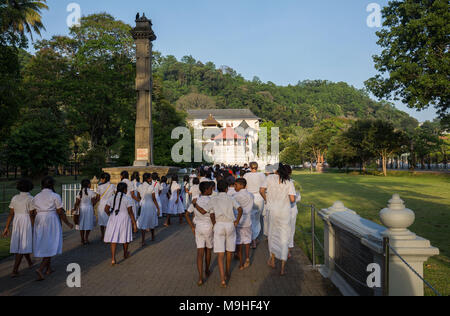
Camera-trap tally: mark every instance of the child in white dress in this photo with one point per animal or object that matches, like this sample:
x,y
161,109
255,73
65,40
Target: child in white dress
x,y
202,228
22,232
131,191
157,188
84,206
105,190
47,234
185,193
148,218
163,196
176,206
122,223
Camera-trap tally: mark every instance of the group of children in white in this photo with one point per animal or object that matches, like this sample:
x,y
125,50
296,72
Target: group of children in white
x,y
226,205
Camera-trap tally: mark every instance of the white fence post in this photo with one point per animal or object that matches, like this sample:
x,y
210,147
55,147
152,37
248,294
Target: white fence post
x,y
414,250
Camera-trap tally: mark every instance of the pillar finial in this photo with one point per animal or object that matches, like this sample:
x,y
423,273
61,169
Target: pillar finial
x,y
397,218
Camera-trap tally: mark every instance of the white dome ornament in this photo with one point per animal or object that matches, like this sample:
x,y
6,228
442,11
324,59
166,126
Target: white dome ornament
x,y
397,218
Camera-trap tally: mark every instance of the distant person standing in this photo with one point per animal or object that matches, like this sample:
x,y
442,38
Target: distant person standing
x,y
294,214
255,181
105,190
185,192
136,180
176,206
157,188
47,236
131,191
20,210
164,195
279,192
84,205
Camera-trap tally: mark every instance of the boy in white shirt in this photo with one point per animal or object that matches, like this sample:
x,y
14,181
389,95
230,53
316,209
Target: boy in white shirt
x,y
244,229
202,228
221,207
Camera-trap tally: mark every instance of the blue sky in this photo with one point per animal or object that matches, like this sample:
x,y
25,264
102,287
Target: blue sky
x,y
282,41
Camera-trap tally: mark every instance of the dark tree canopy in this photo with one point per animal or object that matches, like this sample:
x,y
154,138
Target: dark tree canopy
x,y
414,66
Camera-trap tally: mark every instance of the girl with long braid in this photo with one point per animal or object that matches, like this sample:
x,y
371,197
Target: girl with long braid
x,y
84,205
121,223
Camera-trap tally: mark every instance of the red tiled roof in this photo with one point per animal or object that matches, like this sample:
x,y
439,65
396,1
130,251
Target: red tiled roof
x,y
228,133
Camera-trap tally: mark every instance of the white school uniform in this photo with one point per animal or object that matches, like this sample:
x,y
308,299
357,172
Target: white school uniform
x,y
231,191
157,188
244,229
87,216
191,179
204,235
280,209
47,236
194,192
254,182
149,213
223,207
132,188
174,207
105,191
294,218
185,196
164,198
22,231
120,227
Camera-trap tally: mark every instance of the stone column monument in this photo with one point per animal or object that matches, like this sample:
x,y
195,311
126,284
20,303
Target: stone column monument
x,y
143,36
143,163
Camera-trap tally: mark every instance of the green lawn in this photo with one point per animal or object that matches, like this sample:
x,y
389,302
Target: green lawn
x,y
427,195
8,190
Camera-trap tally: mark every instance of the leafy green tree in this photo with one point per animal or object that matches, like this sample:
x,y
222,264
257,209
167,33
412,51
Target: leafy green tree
x,y
427,141
357,138
90,76
38,141
195,101
341,154
414,65
10,92
318,141
383,140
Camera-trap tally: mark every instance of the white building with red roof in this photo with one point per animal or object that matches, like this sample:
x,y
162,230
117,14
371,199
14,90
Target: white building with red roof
x,y
230,136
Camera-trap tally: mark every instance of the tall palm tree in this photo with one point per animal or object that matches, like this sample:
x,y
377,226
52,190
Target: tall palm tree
x,y
22,16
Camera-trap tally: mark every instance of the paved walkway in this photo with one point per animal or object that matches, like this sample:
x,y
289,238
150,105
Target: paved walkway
x,y
166,267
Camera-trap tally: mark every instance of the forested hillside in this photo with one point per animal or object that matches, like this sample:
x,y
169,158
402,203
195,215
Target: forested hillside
x,y
192,84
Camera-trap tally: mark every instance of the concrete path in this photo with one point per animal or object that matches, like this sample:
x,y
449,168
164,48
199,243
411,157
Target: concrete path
x,y
166,267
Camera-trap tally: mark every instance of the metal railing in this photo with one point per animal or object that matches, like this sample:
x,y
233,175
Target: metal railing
x,y
387,249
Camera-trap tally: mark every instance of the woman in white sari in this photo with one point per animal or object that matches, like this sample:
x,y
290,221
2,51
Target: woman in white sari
x,y
279,192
